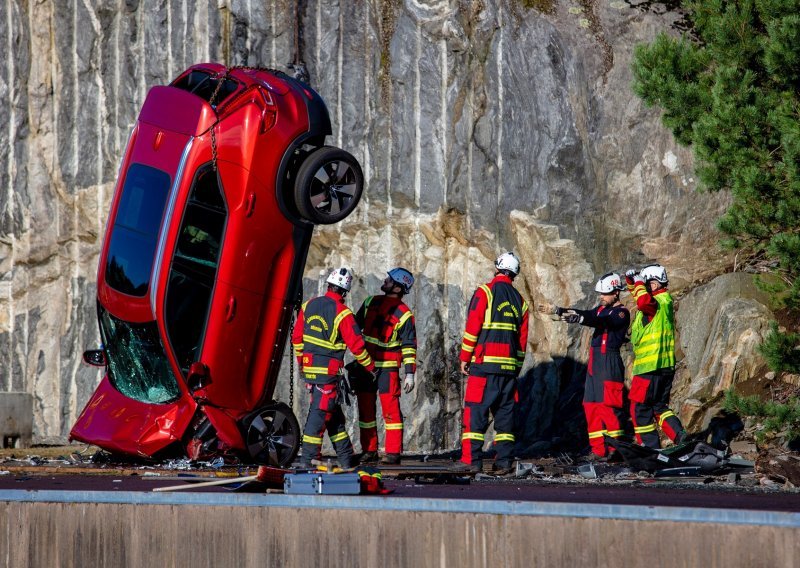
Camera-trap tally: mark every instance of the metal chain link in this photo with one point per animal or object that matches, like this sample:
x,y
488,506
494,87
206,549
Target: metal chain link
x,y
213,98
291,358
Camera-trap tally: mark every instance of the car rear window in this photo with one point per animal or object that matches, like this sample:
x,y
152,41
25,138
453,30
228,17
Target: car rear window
x,y
203,84
135,232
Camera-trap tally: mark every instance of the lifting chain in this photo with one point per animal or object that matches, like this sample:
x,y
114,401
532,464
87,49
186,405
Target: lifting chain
x,y
291,358
213,99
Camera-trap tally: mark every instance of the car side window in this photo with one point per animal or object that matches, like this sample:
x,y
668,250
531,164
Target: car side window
x,y
194,266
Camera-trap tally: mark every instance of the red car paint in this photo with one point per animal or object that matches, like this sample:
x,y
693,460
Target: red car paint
x,y
265,125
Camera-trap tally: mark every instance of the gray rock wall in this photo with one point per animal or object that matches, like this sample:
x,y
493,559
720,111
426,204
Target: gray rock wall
x,y
482,126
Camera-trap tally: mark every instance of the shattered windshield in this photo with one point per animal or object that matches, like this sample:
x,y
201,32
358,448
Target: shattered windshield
x,y
137,364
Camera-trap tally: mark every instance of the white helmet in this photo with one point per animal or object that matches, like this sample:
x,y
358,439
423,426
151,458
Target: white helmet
x,y
654,272
609,283
402,278
341,277
507,261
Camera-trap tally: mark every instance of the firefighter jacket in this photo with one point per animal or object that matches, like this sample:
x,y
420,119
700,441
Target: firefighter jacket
x,y
610,325
496,332
653,338
325,328
389,331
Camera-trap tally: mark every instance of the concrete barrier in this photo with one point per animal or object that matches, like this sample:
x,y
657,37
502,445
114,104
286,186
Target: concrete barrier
x,y
16,420
66,529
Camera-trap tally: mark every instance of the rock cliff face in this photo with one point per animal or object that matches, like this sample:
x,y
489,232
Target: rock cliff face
x,y
482,126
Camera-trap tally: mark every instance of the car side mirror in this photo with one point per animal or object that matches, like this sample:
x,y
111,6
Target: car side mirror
x,y
95,358
198,376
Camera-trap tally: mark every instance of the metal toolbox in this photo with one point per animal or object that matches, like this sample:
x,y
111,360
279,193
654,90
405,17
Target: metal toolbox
x,y
321,484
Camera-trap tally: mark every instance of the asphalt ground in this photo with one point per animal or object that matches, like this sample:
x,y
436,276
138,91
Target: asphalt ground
x,y
650,493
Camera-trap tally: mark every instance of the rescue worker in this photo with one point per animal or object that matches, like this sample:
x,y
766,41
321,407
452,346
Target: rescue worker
x,y
605,375
325,328
391,337
492,353
653,339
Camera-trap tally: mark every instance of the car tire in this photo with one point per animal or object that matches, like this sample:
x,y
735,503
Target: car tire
x,y
272,435
328,185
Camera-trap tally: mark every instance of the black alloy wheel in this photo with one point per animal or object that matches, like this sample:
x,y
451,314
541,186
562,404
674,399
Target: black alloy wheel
x,y
328,186
273,435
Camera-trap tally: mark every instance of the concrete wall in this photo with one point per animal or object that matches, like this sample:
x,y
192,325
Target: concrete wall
x,y
140,533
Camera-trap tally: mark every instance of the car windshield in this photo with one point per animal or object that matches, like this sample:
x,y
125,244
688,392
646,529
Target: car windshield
x,y
136,226
137,364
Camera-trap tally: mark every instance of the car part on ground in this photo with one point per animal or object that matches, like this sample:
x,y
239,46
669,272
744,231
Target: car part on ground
x,y
224,176
707,459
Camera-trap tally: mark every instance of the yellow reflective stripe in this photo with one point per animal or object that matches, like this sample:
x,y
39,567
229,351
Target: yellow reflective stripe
x,y
664,416
403,319
322,370
387,364
615,433
377,475
394,425
364,358
524,306
312,440
597,434
492,359
323,343
408,351
303,307
339,437
501,326
504,437
645,429
470,336
379,343
468,348
409,361
472,436
487,316
345,312
372,424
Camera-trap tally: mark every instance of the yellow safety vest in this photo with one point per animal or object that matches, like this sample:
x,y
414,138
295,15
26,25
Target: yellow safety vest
x,y
654,343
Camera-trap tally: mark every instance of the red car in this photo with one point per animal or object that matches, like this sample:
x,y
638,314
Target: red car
x,y
224,176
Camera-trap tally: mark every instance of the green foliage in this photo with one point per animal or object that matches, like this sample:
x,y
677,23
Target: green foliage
x,y
774,417
733,95
781,350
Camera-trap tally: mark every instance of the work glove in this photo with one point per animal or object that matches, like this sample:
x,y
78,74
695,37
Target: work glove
x,y
549,309
632,277
408,383
570,316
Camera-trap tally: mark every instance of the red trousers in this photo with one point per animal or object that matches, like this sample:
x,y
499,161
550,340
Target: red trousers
x,y
387,389
601,420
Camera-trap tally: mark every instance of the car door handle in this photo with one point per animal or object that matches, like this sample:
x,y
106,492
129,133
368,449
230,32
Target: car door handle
x,y
230,309
250,205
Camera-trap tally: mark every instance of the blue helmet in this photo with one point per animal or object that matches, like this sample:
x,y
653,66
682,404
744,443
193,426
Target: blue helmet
x,y
402,278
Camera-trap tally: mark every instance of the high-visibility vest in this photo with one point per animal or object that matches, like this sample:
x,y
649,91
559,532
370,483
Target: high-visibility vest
x,y
497,346
323,346
388,340
654,343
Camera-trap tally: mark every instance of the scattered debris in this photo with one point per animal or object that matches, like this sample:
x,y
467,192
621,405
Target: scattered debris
x,y
706,458
778,464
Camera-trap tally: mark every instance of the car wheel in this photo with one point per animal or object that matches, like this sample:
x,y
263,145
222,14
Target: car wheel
x,y
273,435
328,186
